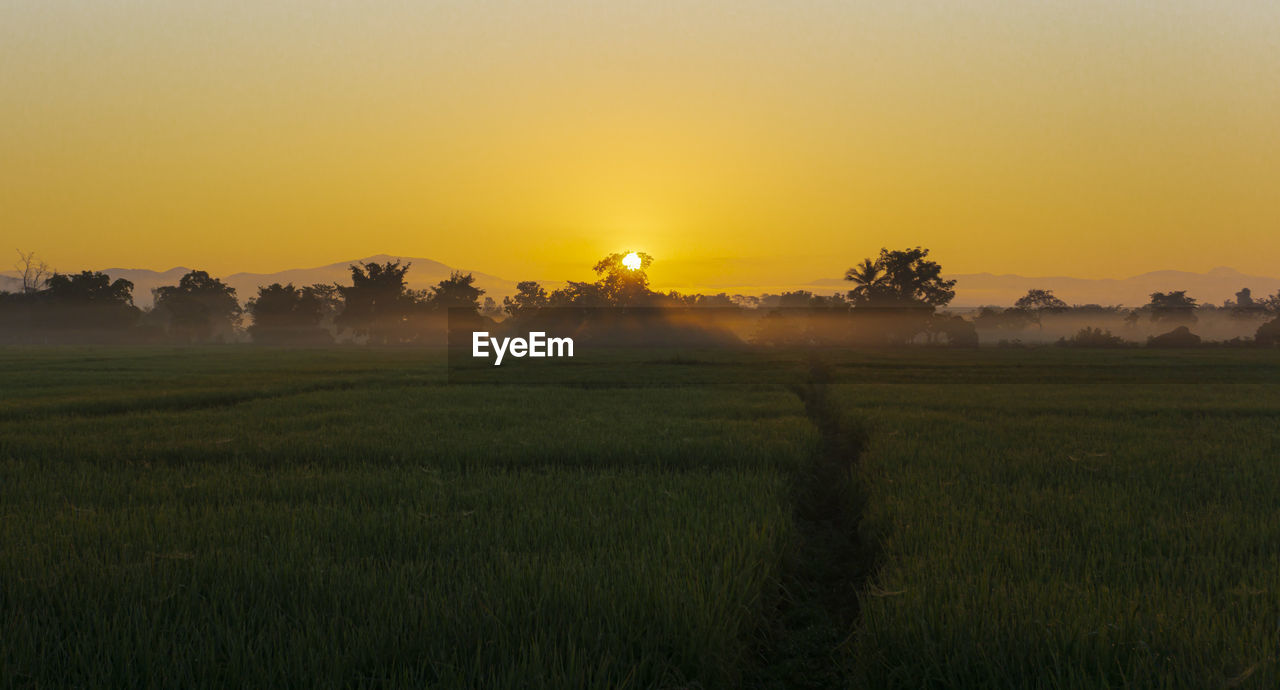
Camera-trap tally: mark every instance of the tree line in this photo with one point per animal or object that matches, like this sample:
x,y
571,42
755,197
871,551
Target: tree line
x,y
896,297
377,307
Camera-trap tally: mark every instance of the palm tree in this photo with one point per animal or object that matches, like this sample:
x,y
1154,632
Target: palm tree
x,y
867,276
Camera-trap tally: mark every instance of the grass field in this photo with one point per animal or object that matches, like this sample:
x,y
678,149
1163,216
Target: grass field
x,y
344,517
1079,536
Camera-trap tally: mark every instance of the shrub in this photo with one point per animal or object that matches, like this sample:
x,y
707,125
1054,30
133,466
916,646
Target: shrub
x,y
1268,333
1093,337
1178,337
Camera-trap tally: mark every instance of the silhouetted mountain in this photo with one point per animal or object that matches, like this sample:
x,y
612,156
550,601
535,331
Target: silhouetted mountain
x,y
145,280
424,274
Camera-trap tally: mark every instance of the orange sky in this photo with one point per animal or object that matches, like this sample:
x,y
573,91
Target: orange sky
x,y
740,142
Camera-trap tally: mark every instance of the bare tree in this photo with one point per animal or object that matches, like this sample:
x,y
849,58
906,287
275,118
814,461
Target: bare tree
x,y
35,272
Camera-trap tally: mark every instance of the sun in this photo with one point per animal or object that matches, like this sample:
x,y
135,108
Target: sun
x,y
631,261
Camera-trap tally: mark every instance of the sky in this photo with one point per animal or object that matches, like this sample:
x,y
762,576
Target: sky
x,y
738,141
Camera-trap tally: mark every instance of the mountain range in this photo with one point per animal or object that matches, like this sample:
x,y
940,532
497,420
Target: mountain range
x,y
972,289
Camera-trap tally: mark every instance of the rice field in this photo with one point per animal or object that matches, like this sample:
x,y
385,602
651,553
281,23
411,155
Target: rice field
x,y
343,519
347,518
1075,536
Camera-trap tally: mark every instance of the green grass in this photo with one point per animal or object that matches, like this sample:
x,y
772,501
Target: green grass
x,y
346,518
1072,536
369,576
389,531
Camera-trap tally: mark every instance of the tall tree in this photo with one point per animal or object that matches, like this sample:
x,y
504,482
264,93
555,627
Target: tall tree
x,y
621,285
491,308
33,271
1037,300
199,308
578,294
868,279
1268,334
902,279
1270,304
1035,304
458,291
1244,305
285,314
377,303
1012,319
1172,306
896,293
330,300
88,300
529,298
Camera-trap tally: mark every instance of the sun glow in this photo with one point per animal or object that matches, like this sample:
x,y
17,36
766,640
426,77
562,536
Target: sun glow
x,y
631,261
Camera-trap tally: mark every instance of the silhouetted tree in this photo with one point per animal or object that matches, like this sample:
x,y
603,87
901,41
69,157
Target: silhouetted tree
x,y
1012,319
1098,310
87,301
907,279
491,308
1172,306
897,292
833,302
1040,301
283,314
1093,337
954,330
1244,305
90,287
868,277
1271,304
377,304
1036,303
452,307
456,292
675,298
330,300
578,294
87,306
914,279
719,300
33,271
1268,334
622,286
798,299
803,318
198,308
14,312
529,297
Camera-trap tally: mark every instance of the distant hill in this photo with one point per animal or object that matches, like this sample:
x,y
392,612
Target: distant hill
x,y
8,283
977,289
424,274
